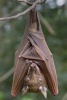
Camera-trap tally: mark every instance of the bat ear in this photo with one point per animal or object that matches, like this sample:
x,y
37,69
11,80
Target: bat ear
x,y
25,90
43,90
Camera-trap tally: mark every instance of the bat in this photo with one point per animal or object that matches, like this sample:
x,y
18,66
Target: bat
x,y
33,50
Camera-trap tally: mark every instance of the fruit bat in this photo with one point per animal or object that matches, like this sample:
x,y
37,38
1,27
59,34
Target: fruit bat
x,y
33,51
34,81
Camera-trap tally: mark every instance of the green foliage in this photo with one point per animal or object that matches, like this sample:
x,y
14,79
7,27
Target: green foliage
x,y
11,33
1,95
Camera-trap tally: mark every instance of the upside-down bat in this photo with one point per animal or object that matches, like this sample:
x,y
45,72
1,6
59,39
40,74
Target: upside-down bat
x,y
33,51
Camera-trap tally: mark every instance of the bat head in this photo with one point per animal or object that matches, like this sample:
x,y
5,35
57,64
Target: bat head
x,y
34,81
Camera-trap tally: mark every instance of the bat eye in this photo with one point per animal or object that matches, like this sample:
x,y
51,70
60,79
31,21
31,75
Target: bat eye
x,y
27,79
40,79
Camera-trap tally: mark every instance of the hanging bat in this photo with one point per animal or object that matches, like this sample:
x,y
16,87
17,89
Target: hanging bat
x,y
33,50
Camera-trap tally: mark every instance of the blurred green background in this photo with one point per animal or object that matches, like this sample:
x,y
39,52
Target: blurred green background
x,y
54,25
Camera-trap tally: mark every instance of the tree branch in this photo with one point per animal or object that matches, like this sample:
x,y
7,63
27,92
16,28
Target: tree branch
x,y
47,25
6,75
31,3
20,14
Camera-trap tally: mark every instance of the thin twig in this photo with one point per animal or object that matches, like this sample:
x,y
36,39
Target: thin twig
x,y
2,23
47,25
27,2
20,14
6,75
31,3
65,97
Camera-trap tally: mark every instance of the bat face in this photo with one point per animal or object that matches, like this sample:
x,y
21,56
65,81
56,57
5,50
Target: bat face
x,y
34,80
33,59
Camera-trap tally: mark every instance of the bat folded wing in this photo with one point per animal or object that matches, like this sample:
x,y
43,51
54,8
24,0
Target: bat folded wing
x,y
47,64
21,67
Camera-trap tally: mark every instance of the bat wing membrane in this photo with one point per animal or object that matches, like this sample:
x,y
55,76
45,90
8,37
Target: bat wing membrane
x,y
21,67
48,63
